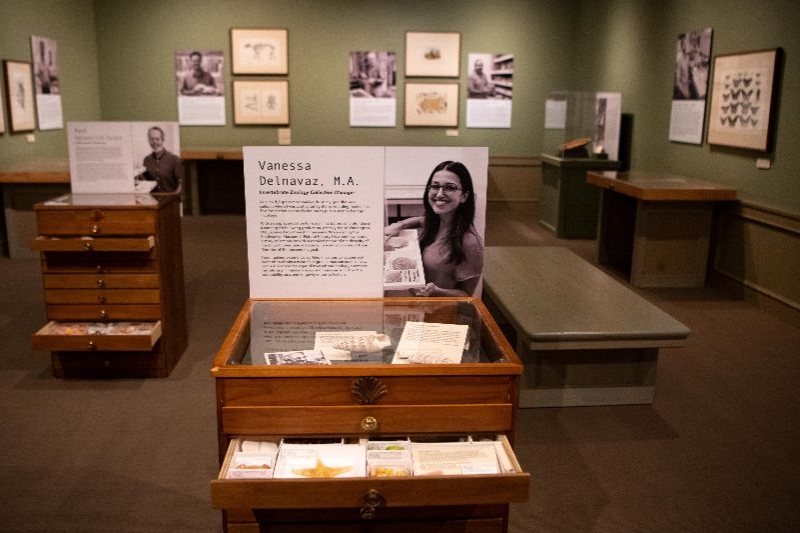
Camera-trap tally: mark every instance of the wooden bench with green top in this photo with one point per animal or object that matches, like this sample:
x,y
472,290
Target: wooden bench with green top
x,y
584,337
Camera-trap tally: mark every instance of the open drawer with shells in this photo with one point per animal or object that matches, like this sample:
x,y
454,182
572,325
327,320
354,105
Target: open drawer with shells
x,y
100,336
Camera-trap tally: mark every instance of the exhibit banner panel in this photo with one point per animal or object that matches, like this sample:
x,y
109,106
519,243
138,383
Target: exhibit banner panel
x,y
314,221
347,222
124,157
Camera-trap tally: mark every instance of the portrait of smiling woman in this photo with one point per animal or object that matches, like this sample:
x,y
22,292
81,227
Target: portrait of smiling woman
x,y
452,249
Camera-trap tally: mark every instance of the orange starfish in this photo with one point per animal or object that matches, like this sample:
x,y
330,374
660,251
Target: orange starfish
x,y
320,470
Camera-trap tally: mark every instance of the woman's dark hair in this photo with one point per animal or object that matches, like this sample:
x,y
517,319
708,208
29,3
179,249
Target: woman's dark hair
x,y
464,214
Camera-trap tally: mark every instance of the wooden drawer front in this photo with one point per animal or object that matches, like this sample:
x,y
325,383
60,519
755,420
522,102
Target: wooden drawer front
x,y
105,244
104,312
108,262
431,519
46,339
99,296
411,390
422,491
96,222
108,364
101,281
326,421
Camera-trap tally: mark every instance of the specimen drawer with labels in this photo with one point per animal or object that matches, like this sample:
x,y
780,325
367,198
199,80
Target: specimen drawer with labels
x,y
303,371
112,273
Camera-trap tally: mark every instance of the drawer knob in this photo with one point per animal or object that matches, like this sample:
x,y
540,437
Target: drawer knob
x,y
95,229
101,283
372,499
92,345
103,313
87,246
101,299
369,423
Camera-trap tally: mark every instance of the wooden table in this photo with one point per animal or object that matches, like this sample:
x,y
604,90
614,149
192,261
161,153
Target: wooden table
x,y
25,183
584,338
656,226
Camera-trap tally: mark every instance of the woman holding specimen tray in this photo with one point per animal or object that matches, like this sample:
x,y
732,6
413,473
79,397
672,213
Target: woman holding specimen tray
x,y
452,249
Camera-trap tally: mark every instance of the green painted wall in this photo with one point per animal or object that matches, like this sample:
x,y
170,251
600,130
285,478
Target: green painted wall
x,y
137,41
117,58
71,24
629,47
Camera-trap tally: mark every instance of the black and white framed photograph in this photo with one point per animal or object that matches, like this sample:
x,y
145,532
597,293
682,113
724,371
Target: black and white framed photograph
x,y
373,89
690,86
200,73
259,51
2,113
261,102
743,100
200,77
19,96
431,104
433,54
490,86
47,83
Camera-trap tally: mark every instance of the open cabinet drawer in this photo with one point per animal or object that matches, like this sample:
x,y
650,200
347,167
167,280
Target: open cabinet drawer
x,y
91,244
367,497
100,336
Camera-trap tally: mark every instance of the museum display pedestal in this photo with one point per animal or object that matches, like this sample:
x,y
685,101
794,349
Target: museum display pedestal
x,y
366,394
569,206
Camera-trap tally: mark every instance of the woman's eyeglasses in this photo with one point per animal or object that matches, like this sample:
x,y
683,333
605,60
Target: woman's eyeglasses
x,y
447,188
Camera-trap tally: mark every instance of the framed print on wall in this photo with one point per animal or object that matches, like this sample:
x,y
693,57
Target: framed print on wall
x,y
743,100
261,102
19,96
432,104
259,51
433,54
2,114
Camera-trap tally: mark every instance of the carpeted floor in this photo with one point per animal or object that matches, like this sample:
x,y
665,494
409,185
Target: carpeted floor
x,y
718,450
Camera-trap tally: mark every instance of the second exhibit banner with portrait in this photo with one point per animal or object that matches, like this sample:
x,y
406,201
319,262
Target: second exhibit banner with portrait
x,y
365,221
124,157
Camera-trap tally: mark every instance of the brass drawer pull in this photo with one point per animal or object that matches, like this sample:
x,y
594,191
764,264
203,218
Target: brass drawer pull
x,y
369,423
372,499
95,229
101,283
92,345
103,313
87,246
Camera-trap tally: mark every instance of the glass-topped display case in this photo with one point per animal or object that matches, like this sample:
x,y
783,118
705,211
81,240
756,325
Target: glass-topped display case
x,y
434,375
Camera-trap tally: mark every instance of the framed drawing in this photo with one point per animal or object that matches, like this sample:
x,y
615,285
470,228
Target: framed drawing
x,y
743,100
2,114
19,96
259,51
261,102
433,54
432,104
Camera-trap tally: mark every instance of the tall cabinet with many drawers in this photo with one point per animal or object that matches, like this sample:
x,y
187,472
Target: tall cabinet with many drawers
x,y
112,268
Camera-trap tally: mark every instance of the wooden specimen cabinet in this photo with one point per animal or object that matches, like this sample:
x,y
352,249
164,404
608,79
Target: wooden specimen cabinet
x,y
365,395
112,268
